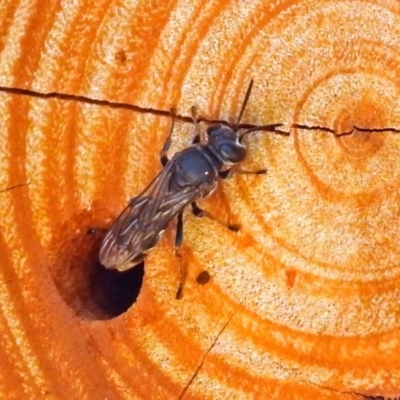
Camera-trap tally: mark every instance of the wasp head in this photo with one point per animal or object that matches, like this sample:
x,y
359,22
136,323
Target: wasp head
x,y
225,143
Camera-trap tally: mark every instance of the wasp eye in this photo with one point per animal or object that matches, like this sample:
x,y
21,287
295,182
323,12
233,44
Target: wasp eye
x,y
213,128
232,152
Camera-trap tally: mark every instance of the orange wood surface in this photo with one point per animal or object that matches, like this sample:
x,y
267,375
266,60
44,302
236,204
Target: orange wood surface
x,y
303,302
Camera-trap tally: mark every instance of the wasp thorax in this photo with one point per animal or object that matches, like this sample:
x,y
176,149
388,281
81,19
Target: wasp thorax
x,y
225,143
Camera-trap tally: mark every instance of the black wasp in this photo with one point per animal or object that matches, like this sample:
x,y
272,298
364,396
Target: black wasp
x,y
191,174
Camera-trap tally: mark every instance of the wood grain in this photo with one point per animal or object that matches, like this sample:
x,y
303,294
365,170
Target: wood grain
x,y
302,302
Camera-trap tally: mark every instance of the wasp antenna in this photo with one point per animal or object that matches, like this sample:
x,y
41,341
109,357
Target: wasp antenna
x,y
245,101
167,144
268,128
172,113
198,134
193,112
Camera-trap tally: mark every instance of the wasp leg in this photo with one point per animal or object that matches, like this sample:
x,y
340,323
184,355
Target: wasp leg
x,y
225,174
198,212
199,136
167,144
178,244
238,170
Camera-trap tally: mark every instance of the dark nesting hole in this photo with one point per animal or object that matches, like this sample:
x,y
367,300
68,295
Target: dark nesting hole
x,y
114,292
91,290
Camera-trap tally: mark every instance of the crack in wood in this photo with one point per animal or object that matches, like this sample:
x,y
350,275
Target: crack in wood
x,y
196,372
353,393
379,397
9,280
143,110
15,187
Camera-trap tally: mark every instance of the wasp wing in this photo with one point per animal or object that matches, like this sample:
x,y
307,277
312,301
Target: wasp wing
x,y
141,224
